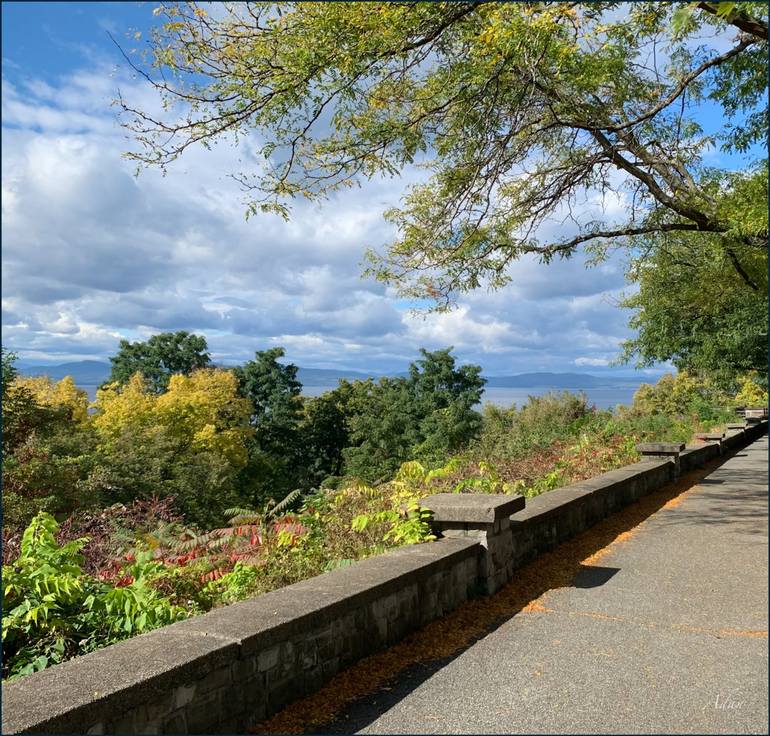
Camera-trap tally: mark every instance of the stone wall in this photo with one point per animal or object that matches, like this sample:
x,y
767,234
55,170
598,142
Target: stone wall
x,y
225,670
552,518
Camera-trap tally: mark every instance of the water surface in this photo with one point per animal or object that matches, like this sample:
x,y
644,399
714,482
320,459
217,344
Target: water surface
x,y
602,397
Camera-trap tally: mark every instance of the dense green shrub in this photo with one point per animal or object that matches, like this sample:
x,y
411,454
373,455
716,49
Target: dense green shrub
x,y
52,610
48,471
543,420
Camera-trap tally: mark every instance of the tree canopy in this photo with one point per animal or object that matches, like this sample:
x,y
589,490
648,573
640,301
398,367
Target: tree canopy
x,y
423,415
275,451
159,358
692,307
520,112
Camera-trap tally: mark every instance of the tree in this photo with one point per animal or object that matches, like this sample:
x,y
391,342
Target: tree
x,y
519,110
48,471
202,410
273,390
8,370
190,442
159,358
425,416
48,448
21,415
752,390
683,395
445,397
383,428
62,395
152,462
206,413
694,309
324,433
275,456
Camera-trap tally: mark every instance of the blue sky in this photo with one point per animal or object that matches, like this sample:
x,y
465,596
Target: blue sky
x,y
92,254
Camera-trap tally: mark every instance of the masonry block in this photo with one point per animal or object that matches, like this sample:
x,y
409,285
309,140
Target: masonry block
x,y
486,517
713,437
671,450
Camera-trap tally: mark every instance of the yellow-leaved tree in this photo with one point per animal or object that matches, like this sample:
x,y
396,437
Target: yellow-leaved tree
x,y
205,410
202,411
189,442
62,394
750,393
122,407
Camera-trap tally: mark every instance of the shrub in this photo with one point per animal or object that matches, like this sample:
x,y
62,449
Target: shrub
x,y
53,610
514,433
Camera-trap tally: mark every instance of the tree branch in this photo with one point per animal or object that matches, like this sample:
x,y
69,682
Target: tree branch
x,y
739,19
665,227
682,86
739,268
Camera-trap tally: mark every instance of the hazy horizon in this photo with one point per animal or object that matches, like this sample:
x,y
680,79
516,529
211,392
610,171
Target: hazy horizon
x,y
596,372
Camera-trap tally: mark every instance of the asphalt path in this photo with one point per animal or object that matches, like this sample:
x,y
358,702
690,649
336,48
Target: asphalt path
x,y
665,633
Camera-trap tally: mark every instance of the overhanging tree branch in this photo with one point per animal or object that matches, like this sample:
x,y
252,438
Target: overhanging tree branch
x,y
623,232
739,19
683,85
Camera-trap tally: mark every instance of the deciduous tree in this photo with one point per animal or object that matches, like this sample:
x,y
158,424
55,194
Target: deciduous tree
x,y
275,451
158,358
520,111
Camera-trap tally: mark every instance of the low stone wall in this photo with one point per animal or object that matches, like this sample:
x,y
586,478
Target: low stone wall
x,y
225,670
220,672
552,518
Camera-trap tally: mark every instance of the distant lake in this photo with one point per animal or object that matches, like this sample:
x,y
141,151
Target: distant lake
x,y
604,398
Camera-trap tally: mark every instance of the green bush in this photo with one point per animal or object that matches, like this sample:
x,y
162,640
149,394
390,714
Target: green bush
x,y
514,433
54,611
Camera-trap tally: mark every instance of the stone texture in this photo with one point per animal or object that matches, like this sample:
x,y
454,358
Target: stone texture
x,y
87,690
660,448
472,508
672,450
485,517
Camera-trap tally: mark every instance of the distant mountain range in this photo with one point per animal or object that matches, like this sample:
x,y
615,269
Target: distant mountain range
x,y
83,372
93,372
559,380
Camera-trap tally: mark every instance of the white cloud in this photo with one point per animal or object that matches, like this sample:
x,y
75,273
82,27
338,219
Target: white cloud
x,y
591,361
93,253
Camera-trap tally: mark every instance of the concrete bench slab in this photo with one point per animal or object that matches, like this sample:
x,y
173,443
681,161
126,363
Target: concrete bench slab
x,y
660,448
472,508
755,413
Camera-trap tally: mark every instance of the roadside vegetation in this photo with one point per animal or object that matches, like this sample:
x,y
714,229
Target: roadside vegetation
x,y
186,486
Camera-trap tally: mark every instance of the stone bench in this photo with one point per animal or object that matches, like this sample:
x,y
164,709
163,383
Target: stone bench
x,y
486,517
716,437
753,416
670,450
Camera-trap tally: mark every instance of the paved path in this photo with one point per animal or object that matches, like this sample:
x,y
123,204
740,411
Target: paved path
x,y
666,634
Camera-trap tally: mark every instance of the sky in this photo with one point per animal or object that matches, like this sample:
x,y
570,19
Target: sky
x,y
93,254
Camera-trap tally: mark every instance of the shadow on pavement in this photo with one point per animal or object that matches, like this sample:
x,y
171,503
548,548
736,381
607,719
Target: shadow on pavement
x,y
360,694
